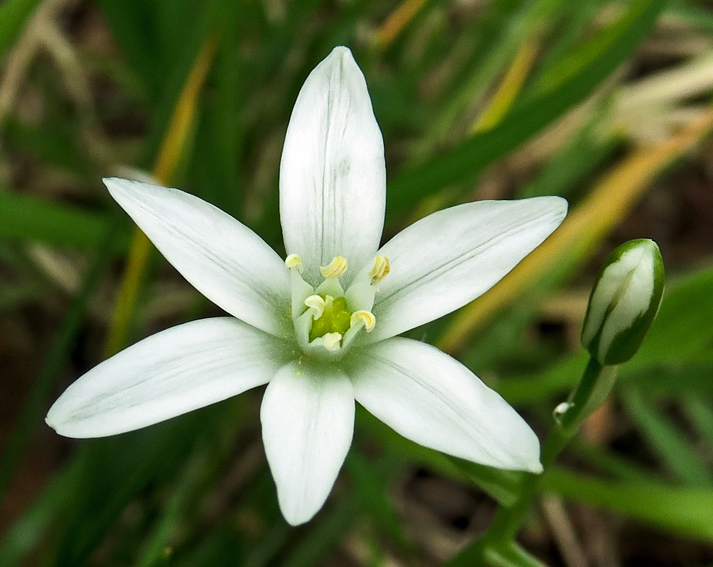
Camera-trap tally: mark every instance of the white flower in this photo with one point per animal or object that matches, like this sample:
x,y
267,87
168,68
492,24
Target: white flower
x,y
320,327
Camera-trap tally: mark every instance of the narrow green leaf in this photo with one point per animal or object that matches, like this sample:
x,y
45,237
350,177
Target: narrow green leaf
x,y
668,443
571,163
119,468
373,496
25,218
698,16
36,403
205,23
324,534
182,496
27,532
576,18
472,156
684,511
611,463
700,413
13,16
131,26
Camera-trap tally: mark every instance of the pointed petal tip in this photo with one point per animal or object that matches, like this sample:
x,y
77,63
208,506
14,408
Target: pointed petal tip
x,y
344,57
63,425
562,205
332,170
550,205
307,417
61,428
341,51
119,187
296,517
342,54
113,182
49,421
52,419
554,203
338,57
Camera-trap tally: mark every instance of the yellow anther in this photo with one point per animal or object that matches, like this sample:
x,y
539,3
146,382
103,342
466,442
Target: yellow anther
x,y
294,261
366,317
381,268
335,268
316,304
332,341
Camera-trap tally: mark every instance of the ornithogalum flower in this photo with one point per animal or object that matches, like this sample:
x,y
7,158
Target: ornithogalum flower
x,y
319,328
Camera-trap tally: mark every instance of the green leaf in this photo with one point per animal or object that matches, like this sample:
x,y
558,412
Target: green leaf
x,y
698,16
472,156
132,27
684,511
571,163
35,405
667,441
25,218
701,415
325,533
372,493
13,16
27,532
206,22
611,463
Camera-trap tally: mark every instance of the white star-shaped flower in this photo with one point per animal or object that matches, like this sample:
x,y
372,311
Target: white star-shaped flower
x,y
319,328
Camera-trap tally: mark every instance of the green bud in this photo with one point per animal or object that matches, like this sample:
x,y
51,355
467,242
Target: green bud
x,y
624,302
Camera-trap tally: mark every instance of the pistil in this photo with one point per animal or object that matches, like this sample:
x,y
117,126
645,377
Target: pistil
x,y
328,319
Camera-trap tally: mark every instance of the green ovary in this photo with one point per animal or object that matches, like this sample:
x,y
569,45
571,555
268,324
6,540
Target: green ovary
x,y
335,319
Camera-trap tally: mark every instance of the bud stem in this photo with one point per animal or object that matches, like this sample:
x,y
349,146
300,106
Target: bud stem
x,y
594,387
596,383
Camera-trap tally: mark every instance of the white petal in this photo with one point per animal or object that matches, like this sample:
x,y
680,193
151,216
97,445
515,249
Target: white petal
x,y
332,174
223,259
449,258
167,374
432,399
307,425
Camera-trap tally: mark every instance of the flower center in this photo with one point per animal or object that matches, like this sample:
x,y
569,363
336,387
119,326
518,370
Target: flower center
x,y
335,318
328,318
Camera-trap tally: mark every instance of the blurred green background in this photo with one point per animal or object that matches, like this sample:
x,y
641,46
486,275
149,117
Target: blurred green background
x,y
605,102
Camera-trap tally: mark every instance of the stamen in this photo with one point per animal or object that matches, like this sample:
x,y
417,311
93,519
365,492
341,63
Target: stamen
x,y
381,268
316,304
335,268
332,341
365,317
294,261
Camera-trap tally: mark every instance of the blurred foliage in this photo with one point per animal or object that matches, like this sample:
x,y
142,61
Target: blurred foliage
x,y
600,101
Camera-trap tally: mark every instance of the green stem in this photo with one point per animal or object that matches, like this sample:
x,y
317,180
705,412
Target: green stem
x,y
508,520
593,389
496,547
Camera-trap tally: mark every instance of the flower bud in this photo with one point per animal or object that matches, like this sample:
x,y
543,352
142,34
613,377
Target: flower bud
x,y
624,302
